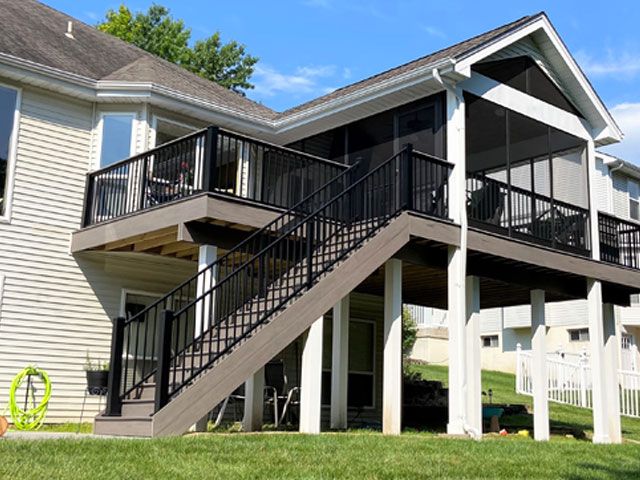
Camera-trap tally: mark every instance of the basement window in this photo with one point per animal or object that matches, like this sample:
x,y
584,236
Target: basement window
x,y
579,335
490,341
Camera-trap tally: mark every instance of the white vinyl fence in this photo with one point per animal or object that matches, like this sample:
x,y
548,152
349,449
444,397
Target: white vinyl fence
x,y
569,378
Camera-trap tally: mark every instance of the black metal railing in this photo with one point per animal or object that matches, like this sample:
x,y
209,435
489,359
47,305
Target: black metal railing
x,y
202,320
520,213
210,160
619,241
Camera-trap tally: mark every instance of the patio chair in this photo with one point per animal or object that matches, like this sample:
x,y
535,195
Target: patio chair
x,y
277,391
486,204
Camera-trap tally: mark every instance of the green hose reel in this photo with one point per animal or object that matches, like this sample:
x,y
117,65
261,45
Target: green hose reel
x,y
32,416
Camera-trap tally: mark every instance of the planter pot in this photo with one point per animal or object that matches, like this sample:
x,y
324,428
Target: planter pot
x,y
97,379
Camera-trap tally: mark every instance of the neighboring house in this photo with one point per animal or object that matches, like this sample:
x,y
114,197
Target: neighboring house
x,y
192,236
617,188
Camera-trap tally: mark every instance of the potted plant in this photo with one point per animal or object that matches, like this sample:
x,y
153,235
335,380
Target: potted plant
x,y
97,373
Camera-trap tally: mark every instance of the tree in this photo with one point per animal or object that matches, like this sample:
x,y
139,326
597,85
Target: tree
x,y
409,331
158,33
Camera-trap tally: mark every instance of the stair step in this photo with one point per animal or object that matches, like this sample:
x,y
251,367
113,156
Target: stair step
x,y
138,407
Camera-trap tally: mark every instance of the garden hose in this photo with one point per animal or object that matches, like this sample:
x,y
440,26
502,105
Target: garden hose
x,y
31,418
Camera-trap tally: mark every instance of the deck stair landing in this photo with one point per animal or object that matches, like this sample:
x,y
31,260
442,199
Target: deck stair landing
x,y
270,289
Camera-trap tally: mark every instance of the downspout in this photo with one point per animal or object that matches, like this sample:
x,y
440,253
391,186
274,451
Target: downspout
x,y
462,214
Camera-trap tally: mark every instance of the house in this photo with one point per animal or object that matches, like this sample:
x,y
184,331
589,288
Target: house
x,y
202,242
617,185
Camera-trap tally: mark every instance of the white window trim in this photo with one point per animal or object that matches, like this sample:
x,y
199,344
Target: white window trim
x,y
154,127
99,129
129,291
13,153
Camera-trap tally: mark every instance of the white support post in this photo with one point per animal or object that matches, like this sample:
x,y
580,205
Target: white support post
x,y
598,373
611,363
456,318
392,356
456,269
253,402
539,367
473,372
340,364
311,379
207,254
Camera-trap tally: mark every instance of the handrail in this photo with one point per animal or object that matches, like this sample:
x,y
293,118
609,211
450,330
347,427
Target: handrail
x,y
208,160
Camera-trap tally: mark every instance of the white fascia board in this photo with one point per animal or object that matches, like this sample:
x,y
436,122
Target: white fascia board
x,y
542,23
365,95
527,105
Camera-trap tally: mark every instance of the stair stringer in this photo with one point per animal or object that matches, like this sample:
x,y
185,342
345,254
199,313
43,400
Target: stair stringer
x,y
214,385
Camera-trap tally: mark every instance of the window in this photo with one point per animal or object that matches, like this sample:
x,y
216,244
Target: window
x,y
579,335
361,379
8,124
634,199
117,137
490,341
626,341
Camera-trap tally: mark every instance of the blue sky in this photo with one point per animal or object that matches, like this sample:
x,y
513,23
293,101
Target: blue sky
x,y
309,47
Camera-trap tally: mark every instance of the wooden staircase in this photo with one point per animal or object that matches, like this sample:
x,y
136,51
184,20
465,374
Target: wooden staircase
x,y
271,288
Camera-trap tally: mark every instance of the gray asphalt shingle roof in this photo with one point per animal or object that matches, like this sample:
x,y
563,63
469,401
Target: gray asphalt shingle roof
x,y
35,32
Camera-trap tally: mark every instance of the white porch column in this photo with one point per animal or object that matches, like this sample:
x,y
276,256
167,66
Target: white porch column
x,y
253,402
539,367
598,373
340,364
207,254
456,317
611,365
473,369
392,356
311,379
456,267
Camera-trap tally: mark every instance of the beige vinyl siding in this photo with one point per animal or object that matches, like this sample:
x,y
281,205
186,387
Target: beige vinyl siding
x,y
602,185
54,307
620,195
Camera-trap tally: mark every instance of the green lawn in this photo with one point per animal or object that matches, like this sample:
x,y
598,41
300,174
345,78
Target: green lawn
x,y
333,455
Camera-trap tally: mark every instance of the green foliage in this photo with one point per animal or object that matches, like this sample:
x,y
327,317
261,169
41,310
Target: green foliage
x,y
158,33
409,331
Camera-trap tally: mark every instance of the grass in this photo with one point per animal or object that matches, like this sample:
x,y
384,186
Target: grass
x,y
344,455
349,455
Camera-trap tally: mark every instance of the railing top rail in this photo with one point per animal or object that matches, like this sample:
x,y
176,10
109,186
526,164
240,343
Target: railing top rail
x,y
433,158
243,243
631,223
524,191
